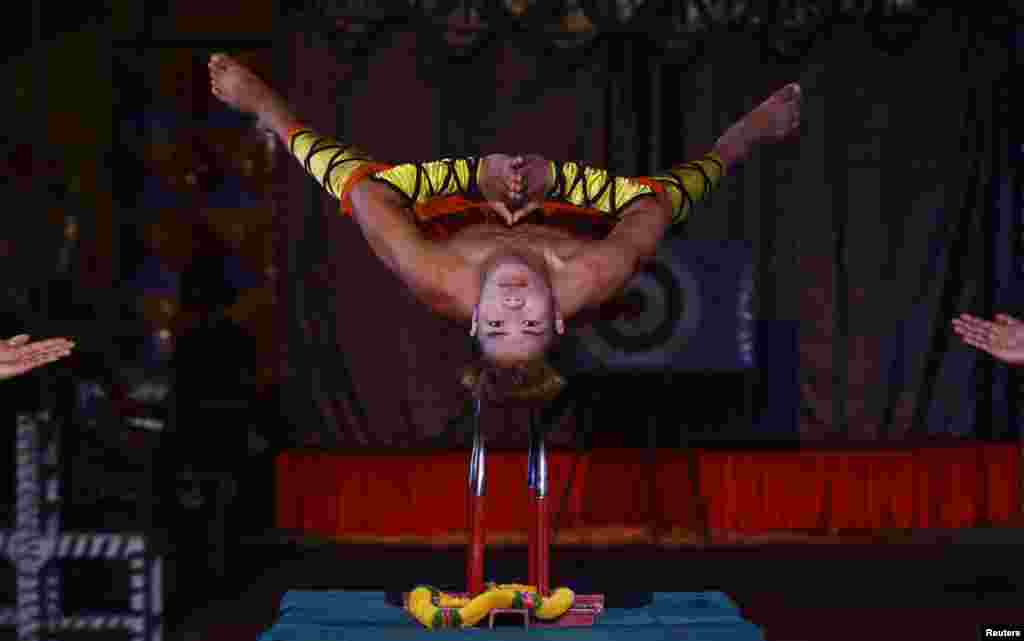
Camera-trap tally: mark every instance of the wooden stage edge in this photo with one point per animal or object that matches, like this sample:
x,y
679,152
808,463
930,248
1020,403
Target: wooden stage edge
x,y
610,537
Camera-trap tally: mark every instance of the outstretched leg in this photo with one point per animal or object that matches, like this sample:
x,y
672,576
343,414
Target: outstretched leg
x,y
237,86
773,120
337,167
535,179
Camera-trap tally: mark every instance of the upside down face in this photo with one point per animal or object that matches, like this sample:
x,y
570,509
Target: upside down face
x,y
516,318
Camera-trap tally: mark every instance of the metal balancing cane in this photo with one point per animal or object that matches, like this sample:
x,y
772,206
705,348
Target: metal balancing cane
x,y
477,489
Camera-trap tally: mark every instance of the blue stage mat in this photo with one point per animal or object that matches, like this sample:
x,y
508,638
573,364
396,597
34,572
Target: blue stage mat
x,y
355,616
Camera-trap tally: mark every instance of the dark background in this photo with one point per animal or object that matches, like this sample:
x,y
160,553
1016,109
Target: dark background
x,y
893,211
215,271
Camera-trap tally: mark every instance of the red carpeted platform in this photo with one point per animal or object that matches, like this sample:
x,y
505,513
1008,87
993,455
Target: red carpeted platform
x,y
409,498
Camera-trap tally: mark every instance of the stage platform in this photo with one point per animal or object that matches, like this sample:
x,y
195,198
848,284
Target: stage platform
x,y
331,615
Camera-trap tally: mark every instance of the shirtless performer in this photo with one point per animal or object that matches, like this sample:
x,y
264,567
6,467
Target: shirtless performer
x,y
517,281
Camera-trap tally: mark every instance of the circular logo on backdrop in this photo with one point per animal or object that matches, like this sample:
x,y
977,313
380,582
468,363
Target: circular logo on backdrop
x,y
663,312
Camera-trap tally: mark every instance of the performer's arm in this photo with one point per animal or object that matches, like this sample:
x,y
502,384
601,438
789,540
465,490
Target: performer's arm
x,y
440,278
645,208
602,268
773,120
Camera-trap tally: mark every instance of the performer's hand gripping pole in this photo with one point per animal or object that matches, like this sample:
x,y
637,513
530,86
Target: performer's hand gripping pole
x,y
539,531
477,488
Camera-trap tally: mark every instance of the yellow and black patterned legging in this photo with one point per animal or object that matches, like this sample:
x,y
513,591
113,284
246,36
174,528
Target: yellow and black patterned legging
x,y
685,185
338,168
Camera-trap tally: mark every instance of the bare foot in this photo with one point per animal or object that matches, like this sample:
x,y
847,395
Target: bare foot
x,y
237,86
774,119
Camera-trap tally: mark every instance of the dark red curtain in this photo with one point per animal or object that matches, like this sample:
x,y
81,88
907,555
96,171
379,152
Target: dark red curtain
x,y
869,232
422,498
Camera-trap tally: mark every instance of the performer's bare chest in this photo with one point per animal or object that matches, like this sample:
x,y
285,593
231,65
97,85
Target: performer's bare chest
x,y
476,242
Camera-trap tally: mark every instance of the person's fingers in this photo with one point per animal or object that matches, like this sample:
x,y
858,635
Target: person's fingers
x,y
43,359
967,325
967,322
51,343
979,325
17,341
28,366
57,348
976,340
973,333
985,347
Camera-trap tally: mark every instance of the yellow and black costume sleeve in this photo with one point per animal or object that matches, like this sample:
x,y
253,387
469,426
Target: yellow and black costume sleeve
x,y
338,168
589,188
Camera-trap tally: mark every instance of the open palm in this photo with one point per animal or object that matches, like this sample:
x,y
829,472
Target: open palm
x,y
1002,338
18,355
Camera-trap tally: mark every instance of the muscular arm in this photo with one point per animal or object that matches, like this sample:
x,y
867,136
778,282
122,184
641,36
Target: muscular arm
x,y
438,277
645,208
602,268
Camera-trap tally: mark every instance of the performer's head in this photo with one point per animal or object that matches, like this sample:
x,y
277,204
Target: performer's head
x,y
516,318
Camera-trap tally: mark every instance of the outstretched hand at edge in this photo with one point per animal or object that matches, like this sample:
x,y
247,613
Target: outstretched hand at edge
x,y
1002,338
18,355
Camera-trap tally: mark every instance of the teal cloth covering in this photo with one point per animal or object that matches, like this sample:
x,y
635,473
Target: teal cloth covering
x,y
336,615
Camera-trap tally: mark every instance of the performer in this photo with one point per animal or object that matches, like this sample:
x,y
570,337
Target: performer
x,y
18,355
519,282
1002,338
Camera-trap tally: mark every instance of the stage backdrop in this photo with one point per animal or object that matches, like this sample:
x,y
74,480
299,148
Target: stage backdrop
x,y
889,214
